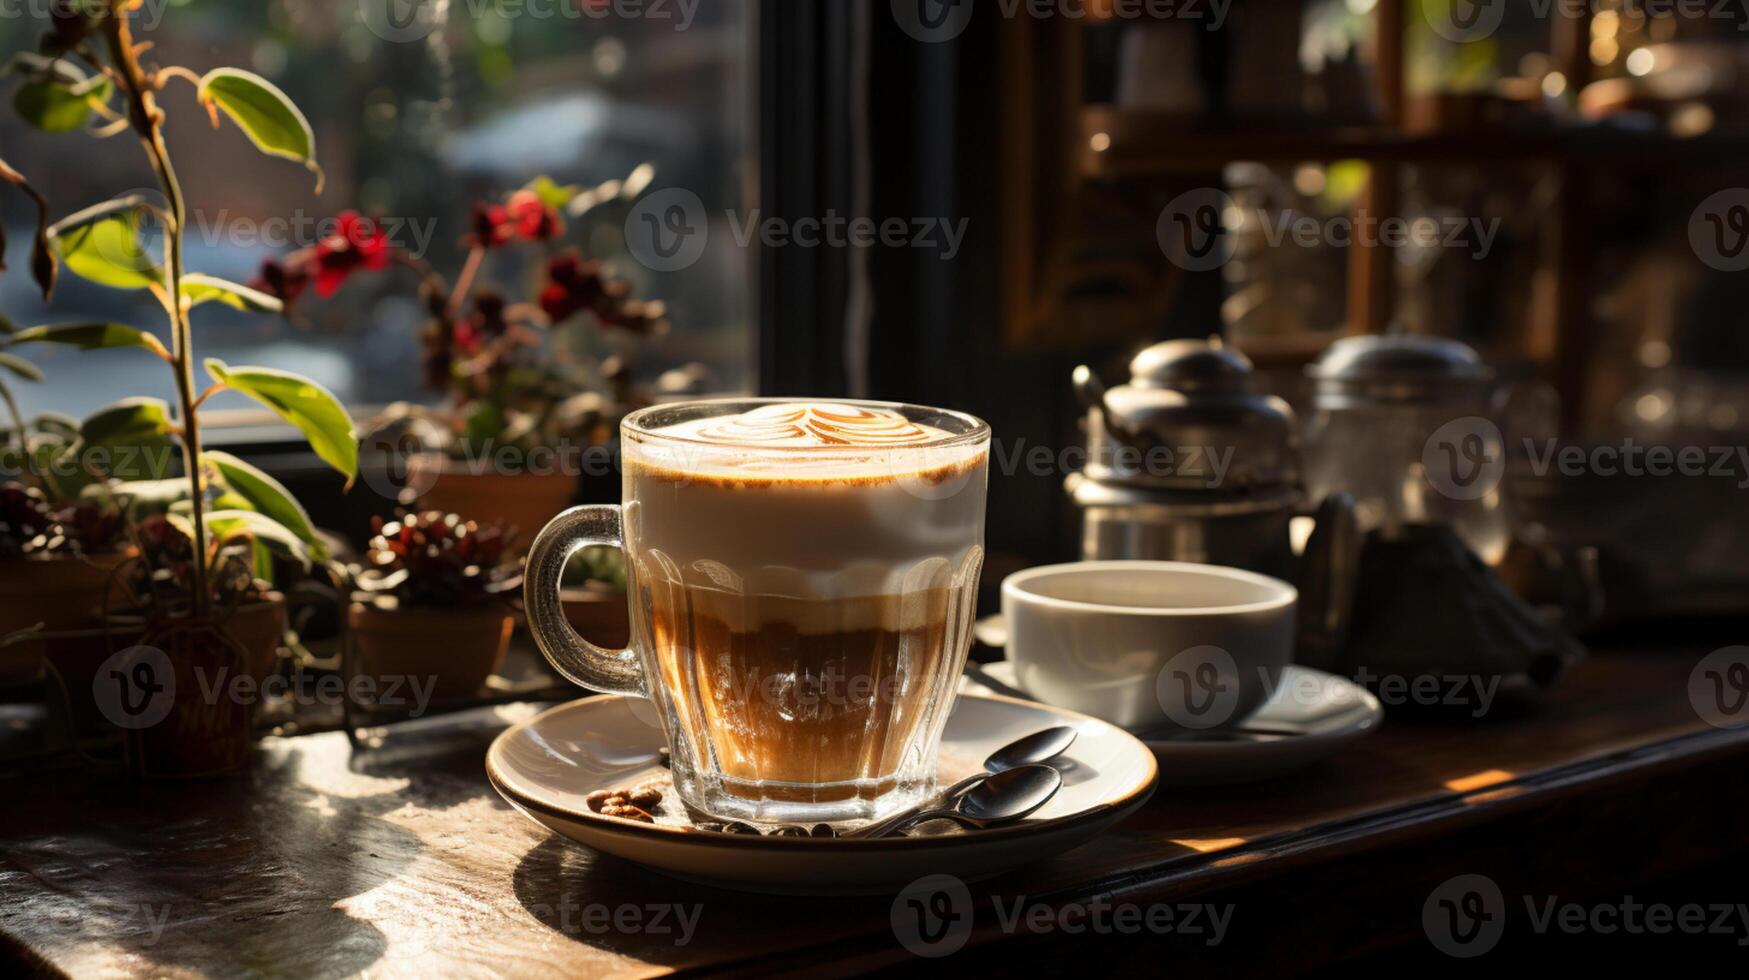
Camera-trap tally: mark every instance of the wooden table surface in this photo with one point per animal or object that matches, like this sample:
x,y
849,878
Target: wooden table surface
x,y
400,860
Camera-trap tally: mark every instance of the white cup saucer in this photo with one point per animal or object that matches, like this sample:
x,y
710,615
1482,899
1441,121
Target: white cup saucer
x,y
546,765
1324,712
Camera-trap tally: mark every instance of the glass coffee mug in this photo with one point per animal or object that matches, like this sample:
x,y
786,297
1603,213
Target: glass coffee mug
x,y
802,579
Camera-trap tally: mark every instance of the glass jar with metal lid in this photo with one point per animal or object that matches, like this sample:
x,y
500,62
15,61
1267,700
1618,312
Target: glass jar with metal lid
x,y
1406,425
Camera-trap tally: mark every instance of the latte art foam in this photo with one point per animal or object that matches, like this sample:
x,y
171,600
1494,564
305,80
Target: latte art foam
x,y
810,425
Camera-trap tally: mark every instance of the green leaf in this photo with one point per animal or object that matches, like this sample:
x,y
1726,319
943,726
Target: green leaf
x,y
271,120
552,194
90,336
483,423
61,107
30,64
303,403
181,523
204,289
227,525
20,367
7,327
103,244
152,496
265,495
134,419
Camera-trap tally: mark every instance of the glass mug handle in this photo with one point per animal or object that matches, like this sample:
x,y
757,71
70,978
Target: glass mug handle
x,y
581,662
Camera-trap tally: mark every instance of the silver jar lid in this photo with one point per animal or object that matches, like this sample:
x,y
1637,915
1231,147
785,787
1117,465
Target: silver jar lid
x,y
1191,404
1191,365
1396,369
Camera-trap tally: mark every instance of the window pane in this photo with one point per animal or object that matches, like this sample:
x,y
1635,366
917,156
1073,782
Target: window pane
x,y
413,121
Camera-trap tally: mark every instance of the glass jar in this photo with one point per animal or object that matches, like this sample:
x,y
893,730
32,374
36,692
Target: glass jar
x,y
1406,426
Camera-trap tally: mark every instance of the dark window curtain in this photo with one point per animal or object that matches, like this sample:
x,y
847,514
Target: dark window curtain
x,y
805,85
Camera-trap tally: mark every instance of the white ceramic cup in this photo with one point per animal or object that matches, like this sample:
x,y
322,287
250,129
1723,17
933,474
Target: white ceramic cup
x,y
1149,645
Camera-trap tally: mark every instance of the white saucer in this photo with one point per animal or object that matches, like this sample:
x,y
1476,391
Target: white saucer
x,y
545,766
1332,710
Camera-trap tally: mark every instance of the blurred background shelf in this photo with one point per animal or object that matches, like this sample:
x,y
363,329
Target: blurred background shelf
x,y
1119,144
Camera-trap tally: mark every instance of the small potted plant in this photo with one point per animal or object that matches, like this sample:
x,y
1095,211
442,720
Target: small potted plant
x,y
57,563
158,584
521,399
431,605
58,546
88,74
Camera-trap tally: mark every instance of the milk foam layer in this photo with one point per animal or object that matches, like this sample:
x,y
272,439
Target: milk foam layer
x,y
808,441
810,424
787,531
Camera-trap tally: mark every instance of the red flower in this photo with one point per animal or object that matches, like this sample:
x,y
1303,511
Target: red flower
x,y
535,220
357,243
486,325
284,283
524,216
573,286
491,226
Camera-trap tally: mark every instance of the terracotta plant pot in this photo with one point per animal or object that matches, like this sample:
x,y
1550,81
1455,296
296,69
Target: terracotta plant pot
x,y
523,500
260,628
60,593
208,729
599,615
450,652
201,725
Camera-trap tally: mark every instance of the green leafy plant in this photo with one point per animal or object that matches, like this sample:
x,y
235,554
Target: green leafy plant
x,y
88,75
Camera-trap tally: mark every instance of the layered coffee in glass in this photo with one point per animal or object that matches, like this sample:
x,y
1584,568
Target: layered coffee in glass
x,y
802,579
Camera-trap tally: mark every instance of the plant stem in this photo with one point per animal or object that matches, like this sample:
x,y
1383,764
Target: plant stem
x,y
147,120
465,281
23,431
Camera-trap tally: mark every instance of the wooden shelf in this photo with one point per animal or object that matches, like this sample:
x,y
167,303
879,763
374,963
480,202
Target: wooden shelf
x,y
1141,145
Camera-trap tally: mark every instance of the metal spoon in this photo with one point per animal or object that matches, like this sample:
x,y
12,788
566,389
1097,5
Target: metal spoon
x,y
1040,746
1004,796
1226,735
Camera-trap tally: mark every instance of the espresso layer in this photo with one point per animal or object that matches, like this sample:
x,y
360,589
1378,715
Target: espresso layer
x,y
811,711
